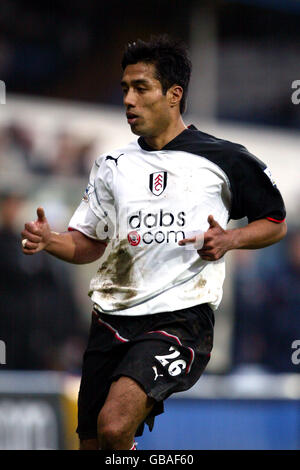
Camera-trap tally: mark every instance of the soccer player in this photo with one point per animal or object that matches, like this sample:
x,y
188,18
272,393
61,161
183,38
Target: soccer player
x,y
163,203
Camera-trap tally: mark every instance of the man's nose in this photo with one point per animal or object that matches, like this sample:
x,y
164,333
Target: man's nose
x,y
129,98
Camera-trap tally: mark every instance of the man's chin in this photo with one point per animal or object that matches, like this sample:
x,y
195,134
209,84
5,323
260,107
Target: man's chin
x,y
135,129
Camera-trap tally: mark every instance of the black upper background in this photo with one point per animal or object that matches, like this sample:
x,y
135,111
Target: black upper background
x,y
72,50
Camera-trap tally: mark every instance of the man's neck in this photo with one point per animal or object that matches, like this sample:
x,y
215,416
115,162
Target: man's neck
x,y
158,142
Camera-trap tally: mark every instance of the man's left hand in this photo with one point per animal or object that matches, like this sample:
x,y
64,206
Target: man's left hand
x,y
217,241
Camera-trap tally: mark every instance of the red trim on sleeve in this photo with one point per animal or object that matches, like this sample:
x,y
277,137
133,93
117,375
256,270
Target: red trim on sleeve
x,y
70,229
275,220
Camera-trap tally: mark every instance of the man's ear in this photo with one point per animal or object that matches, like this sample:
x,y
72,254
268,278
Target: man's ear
x,y
174,95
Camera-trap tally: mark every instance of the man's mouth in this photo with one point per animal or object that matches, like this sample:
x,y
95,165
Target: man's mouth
x,y
131,118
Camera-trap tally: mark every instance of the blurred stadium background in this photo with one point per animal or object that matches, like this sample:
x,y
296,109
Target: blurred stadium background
x,y
60,63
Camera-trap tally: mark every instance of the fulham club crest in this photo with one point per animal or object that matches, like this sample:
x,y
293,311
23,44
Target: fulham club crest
x,y
158,182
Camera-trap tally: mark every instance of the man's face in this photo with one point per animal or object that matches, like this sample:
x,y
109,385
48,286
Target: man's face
x,y
147,108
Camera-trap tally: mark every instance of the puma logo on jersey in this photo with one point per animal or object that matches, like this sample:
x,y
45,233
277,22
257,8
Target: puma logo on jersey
x,y
109,157
156,373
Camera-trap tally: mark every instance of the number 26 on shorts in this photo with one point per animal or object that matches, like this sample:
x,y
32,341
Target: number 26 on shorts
x,y
174,367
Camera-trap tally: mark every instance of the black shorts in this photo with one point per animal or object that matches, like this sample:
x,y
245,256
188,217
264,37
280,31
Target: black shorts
x,y
164,352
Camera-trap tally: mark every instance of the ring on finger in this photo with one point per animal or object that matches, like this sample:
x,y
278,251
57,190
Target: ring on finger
x,y
24,241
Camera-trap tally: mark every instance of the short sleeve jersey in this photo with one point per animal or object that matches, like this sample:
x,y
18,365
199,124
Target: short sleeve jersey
x,y
143,201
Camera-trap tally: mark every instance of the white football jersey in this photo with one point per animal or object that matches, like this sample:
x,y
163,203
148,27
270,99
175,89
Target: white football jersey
x,y
143,201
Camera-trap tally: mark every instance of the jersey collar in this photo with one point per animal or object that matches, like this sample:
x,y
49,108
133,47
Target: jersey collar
x,y
182,138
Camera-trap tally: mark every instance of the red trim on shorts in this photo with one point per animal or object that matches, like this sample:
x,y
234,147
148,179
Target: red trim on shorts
x,y
133,446
275,220
112,329
167,334
191,361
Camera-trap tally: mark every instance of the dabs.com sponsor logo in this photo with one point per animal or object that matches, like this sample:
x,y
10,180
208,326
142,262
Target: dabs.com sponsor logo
x,y
155,227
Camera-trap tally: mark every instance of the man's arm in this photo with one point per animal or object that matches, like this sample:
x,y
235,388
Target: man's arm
x,y
257,234
73,247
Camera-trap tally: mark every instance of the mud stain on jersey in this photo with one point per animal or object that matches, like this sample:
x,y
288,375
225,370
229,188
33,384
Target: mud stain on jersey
x,y
118,265
197,288
200,283
117,275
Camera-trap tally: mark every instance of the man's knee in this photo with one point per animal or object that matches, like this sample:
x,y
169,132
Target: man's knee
x,y
126,406
113,432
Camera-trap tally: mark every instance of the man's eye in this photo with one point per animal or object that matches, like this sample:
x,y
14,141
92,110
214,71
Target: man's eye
x,y
140,89
124,91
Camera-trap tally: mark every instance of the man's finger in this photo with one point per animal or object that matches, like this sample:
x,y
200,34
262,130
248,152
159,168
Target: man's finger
x,y
187,240
31,227
205,249
29,246
212,222
41,214
206,258
35,238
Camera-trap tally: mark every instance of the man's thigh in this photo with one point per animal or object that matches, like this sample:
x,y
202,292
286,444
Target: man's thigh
x,y
99,362
127,405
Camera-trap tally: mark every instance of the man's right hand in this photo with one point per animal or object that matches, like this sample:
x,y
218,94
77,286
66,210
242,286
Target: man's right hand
x,y
36,233
71,246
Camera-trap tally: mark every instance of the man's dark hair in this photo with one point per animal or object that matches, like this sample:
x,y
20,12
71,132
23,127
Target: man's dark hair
x,y
170,59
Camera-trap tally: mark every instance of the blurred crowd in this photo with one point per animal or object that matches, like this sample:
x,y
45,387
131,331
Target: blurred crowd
x,y
267,306
64,153
40,320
